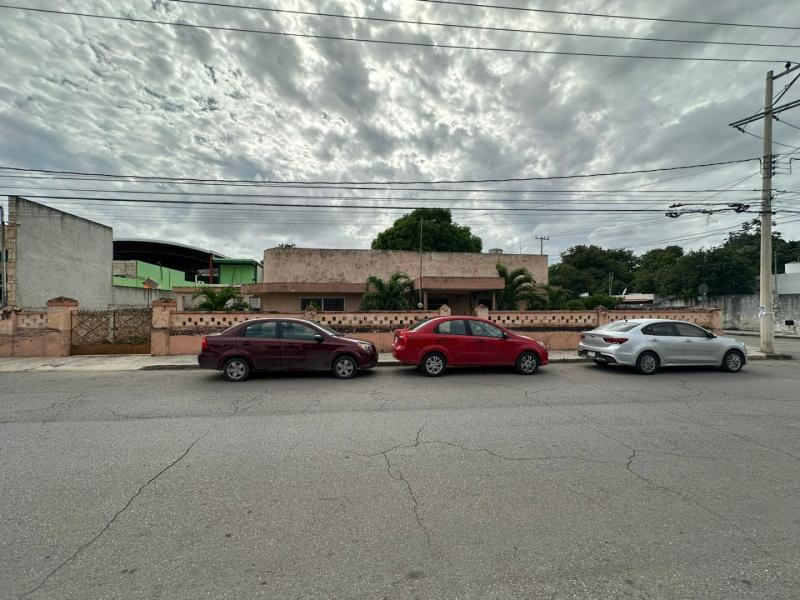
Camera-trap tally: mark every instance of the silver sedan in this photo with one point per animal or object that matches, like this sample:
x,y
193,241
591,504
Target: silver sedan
x,y
649,344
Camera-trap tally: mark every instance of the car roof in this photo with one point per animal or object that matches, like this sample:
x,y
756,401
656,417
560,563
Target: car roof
x,y
648,321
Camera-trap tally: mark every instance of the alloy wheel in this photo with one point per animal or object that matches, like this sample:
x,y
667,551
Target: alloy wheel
x,y
434,364
345,368
236,369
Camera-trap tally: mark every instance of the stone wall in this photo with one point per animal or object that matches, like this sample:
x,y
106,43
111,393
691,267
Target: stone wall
x,y
180,332
740,311
39,332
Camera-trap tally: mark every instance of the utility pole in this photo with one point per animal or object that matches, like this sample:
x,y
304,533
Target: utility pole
x,y
541,239
4,300
766,300
765,285
421,305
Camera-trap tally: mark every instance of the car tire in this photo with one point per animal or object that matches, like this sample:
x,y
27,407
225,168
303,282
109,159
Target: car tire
x,y
647,363
733,361
344,367
434,364
236,369
527,363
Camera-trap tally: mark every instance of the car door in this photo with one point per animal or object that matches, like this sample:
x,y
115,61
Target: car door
x,y
489,345
698,348
260,340
664,338
452,335
301,347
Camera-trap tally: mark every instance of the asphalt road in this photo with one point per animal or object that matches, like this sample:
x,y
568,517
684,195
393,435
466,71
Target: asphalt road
x,y
578,482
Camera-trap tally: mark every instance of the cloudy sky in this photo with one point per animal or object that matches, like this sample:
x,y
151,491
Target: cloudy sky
x,y
98,96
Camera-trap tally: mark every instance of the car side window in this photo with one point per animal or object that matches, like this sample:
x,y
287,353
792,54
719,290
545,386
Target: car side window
x,y
687,330
267,329
455,327
482,329
297,331
660,329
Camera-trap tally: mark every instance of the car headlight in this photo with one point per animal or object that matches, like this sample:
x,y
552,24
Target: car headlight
x,y
365,346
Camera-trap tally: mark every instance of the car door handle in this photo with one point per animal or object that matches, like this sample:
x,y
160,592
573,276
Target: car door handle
x,y
245,343
653,339
688,340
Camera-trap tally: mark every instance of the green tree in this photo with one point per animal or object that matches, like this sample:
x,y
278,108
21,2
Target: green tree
x,y
585,269
226,298
595,300
656,270
394,294
439,233
518,287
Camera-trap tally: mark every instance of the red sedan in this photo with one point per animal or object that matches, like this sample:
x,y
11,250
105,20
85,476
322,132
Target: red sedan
x,y
465,341
284,345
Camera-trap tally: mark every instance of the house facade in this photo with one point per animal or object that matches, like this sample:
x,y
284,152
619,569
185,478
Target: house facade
x,y
335,280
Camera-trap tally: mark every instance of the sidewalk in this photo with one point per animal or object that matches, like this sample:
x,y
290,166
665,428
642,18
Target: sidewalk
x,y
145,362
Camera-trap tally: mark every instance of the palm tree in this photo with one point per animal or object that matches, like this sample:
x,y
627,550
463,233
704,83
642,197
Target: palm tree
x,y
519,286
226,298
394,294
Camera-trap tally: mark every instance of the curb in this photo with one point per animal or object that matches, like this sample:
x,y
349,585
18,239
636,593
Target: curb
x,y
168,368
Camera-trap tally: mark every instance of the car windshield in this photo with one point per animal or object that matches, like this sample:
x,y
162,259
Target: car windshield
x,y
620,326
327,329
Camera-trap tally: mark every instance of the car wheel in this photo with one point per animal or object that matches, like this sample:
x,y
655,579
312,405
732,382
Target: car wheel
x,y
344,367
647,363
733,361
527,363
433,364
236,369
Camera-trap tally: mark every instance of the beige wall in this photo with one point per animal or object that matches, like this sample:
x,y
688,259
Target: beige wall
x,y
311,265
286,302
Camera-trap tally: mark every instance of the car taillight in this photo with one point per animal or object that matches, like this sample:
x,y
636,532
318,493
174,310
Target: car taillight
x,y
613,340
204,344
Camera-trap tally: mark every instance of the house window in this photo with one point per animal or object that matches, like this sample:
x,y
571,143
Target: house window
x,y
333,304
323,304
304,303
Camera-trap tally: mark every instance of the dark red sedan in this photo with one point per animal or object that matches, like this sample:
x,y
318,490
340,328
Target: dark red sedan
x,y
465,341
277,344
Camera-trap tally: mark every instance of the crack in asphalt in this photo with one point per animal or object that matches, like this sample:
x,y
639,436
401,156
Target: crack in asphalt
x,y
59,408
110,522
687,498
412,495
682,495
732,433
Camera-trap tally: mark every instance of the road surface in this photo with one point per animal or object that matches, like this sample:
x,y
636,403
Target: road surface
x,y
578,482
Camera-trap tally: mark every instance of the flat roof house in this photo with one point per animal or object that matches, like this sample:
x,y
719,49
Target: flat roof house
x,y
335,280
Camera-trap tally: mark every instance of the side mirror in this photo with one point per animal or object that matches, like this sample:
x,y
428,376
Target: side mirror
x,y
505,335
319,338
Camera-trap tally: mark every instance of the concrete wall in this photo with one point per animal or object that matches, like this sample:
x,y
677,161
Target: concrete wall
x,y
286,302
787,283
741,311
353,266
127,297
57,254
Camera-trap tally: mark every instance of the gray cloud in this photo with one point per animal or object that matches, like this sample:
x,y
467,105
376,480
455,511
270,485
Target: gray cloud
x,y
90,95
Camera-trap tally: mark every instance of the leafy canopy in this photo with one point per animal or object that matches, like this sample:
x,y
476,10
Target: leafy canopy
x,y
226,298
394,294
439,233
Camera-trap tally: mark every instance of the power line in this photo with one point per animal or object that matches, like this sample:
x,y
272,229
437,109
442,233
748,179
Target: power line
x,y
476,27
785,122
210,183
608,16
389,42
303,206
583,200
162,179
